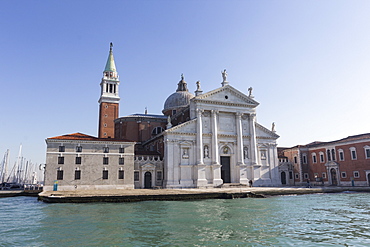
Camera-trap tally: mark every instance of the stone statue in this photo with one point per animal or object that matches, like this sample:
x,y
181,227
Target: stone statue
x,y
182,77
250,91
198,86
273,127
206,152
169,125
224,75
245,152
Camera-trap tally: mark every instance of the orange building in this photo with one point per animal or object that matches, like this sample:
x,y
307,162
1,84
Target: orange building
x,y
344,162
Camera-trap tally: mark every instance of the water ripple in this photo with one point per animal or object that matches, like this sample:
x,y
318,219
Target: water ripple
x,y
305,220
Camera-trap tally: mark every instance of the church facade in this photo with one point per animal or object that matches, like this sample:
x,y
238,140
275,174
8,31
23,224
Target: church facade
x,y
203,140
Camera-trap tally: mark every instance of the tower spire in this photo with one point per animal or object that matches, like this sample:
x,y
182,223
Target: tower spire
x,y
109,98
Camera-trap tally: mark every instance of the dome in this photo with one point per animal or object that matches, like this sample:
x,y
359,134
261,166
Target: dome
x,y
178,99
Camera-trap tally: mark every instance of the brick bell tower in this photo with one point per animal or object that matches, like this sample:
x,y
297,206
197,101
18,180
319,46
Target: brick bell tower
x,y
109,98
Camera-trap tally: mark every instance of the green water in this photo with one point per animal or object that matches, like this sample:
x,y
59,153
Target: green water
x,y
305,220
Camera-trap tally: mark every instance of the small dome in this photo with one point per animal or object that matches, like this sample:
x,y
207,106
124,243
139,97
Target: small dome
x,y
178,99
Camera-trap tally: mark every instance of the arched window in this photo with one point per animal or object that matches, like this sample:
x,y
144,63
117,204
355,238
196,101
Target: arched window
x,y
328,154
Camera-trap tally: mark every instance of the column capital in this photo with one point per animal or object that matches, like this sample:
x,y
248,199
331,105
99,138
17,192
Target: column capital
x,y
214,112
238,114
199,110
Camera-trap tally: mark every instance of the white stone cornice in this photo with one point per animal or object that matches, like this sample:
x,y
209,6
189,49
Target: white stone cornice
x,y
212,102
90,142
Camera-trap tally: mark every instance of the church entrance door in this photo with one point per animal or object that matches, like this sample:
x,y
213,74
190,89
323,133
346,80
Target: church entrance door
x,y
148,180
333,176
225,169
283,178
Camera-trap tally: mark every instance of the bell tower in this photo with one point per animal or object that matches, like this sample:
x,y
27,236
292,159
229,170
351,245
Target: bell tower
x,y
109,98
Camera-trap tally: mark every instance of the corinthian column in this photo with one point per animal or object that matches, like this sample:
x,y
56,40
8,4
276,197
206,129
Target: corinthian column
x,y
215,157
199,137
200,167
239,134
252,124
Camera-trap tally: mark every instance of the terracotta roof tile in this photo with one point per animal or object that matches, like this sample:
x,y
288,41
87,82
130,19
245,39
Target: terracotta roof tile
x,y
84,137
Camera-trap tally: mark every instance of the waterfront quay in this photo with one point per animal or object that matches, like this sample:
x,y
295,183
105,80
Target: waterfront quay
x,y
134,195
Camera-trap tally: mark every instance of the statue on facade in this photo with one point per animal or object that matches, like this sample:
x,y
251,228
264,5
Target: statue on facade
x,y
273,127
224,75
169,125
245,152
250,91
206,152
198,86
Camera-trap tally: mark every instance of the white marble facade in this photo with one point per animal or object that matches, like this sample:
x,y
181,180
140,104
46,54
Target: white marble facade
x,y
221,143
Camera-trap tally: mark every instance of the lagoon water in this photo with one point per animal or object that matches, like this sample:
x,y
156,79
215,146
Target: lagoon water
x,y
304,220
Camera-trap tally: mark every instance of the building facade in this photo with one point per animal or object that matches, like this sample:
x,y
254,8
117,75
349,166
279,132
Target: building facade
x,y
82,162
201,140
344,162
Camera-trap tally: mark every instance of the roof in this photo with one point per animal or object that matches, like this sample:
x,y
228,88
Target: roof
x,y
180,98
110,66
346,139
147,115
84,137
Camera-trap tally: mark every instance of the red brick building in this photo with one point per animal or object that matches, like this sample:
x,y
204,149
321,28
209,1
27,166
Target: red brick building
x,y
344,162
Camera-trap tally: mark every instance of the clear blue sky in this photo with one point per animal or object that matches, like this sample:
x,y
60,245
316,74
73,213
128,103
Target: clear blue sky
x,y
307,61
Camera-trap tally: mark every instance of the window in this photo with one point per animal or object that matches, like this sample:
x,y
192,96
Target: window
x,y
78,160
353,153
136,176
157,130
356,174
121,174
305,176
105,174
344,174
290,175
159,175
304,159
314,158
121,150
322,157
173,112
106,149
295,159
333,154
60,160
105,160
121,161
328,155
324,174
341,154
77,174
367,152
62,148
59,174
297,176
78,149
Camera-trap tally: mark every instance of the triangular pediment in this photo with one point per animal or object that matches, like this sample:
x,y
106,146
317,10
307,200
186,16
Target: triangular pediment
x,y
264,133
188,127
227,95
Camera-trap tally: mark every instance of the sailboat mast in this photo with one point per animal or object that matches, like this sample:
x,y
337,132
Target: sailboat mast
x,y
17,164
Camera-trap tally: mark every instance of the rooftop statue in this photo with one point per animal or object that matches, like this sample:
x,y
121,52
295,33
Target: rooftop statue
x,y
224,75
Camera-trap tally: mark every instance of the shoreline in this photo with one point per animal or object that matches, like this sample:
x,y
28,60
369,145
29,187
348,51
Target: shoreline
x,y
135,195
